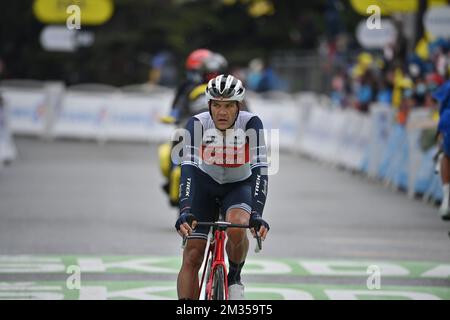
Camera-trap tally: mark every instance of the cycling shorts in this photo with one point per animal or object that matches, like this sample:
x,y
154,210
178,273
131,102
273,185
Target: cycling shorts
x,y
204,205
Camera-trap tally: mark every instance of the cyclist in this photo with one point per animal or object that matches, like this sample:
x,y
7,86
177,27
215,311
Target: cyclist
x,y
241,186
201,66
442,95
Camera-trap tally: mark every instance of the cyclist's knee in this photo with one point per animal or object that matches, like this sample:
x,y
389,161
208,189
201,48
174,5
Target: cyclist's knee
x,y
238,216
237,236
193,257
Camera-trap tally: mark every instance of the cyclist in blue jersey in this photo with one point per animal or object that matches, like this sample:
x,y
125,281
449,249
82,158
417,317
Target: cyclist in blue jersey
x,y
224,158
442,95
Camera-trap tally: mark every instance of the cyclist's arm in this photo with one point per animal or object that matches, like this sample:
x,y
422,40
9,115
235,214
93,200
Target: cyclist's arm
x,y
258,164
189,165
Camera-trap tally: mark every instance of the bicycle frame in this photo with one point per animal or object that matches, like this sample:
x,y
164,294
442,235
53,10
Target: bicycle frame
x,y
215,254
217,250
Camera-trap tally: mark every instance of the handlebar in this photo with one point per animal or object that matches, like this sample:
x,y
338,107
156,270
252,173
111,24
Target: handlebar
x,y
223,225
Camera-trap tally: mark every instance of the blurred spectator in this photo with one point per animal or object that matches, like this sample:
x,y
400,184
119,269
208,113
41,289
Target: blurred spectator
x,y
163,71
389,78
366,92
442,95
262,77
338,86
255,68
407,102
386,86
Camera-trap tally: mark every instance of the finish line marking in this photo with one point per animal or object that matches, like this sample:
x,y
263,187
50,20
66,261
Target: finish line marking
x,y
18,264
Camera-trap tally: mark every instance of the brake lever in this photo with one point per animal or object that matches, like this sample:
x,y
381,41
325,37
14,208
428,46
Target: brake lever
x,y
258,247
183,244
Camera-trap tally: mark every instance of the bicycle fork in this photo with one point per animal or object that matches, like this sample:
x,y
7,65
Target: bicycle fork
x,y
218,259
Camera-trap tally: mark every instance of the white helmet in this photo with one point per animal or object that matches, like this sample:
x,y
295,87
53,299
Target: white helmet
x,y
225,88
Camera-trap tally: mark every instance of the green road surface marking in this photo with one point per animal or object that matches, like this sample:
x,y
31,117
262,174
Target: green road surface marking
x,y
254,266
67,267
149,290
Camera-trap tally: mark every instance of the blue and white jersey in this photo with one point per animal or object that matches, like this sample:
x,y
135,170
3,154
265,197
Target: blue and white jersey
x,y
231,156
227,157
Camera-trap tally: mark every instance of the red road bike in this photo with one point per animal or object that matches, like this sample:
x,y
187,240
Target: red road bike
x,y
215,269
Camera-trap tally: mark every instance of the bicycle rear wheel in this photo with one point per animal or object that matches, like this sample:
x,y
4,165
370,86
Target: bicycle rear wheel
x,y
218,288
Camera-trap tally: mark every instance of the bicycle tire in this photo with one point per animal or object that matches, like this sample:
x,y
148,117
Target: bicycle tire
x,y
218,289
208,270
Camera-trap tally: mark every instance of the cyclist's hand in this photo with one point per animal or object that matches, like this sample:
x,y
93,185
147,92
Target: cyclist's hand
x,y
259,224
185,223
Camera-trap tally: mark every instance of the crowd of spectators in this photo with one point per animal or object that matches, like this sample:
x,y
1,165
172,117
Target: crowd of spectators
x,y
402,83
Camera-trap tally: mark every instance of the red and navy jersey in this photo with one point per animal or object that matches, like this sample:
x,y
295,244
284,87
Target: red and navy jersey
x,y
227,157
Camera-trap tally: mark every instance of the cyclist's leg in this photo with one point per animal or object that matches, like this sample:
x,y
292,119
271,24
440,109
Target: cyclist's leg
x,y
203,205
187,282
237,244
237,204
445,162
445,178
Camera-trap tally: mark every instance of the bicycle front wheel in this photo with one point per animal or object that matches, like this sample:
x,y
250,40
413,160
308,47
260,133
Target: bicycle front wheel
x,y
218,288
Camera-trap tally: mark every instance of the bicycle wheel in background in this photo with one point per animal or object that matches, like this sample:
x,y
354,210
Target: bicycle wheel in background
x,y
218,288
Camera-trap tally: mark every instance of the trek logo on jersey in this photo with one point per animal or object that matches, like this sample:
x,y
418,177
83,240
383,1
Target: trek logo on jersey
x,y
264,189
258,180
188,187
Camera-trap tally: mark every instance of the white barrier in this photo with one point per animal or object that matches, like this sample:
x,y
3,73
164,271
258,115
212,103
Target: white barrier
x,y
26,110
320,135
340,137
46,109
283,115
136,118
31,105
381,120
8,151
354,140
81,115
113,116
418,120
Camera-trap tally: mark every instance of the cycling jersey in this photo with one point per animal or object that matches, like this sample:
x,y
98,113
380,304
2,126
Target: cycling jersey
x,y
227,158
442,95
